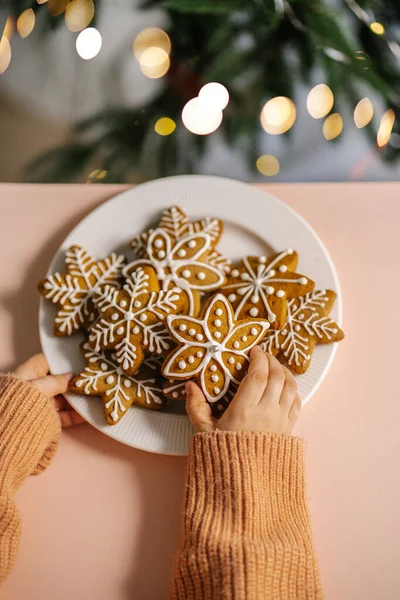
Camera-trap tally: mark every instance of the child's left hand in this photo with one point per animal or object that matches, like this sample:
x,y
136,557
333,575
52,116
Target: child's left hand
x,y
36,371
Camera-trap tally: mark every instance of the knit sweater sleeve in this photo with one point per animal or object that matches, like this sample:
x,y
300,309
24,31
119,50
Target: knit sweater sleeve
x,y
247,533
29,434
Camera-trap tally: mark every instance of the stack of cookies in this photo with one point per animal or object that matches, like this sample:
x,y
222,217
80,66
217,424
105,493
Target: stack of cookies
x,y
182,311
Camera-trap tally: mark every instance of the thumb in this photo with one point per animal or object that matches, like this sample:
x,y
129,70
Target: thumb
x,y
199,412
51,385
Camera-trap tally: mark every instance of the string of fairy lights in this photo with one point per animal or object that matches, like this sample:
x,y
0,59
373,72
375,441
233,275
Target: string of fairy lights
x,y
203,114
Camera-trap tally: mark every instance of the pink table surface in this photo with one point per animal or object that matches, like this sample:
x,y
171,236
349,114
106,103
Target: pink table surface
x,y
103,522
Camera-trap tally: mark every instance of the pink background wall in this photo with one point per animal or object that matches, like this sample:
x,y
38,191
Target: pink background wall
x,y
102,523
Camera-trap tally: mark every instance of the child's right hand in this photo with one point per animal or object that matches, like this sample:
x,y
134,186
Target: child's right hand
x,y
267,400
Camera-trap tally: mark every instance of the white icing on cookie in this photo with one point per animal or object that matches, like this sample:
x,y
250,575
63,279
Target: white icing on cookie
x,y
101,371
188,271
304,319
257,284
225,352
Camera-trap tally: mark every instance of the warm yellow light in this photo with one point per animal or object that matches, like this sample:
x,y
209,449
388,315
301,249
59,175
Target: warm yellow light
x,y
377,28
5,54
88,43
165,126
96,175
198,118
9,28
363,113
78,14
215,95
57,7
26,22
152,37
385,128
278,115
154,62
268,165
41,1
320,101
333,126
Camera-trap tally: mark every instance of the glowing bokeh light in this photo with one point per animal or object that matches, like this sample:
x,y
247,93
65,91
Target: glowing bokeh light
x,y
88,43
268,165
333,126
5,54
57,7
214,95
96,175
165,126
9,28
41,1
320,101
78,14
26,22
152,37
377,28
363,113
385,128
278,115
154,62
198,118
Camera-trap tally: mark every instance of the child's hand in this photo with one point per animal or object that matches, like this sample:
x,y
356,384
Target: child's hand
x,y
36,371
267,400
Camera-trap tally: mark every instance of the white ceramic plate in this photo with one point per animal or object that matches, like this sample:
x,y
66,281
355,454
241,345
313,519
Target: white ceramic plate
x,y
255,223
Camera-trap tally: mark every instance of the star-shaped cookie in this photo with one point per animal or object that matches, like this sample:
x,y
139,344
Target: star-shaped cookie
x,y
179,258
260,286
181,264
307,324
132,318
73,291
213,348
104,377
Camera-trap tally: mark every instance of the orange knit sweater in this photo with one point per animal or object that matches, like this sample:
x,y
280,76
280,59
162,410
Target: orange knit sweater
x,y
246,531
29,434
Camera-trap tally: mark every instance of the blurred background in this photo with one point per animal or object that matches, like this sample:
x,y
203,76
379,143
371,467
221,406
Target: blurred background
x,y
127,91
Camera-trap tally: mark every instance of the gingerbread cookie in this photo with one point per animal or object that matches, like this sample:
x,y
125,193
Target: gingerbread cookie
x,y
104,377
132,318
213,348
181,264
175,390
175,222
260,286
73,291
307,324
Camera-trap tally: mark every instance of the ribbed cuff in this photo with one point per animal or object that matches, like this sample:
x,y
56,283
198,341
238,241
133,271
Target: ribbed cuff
x,y
29,430
254,478
246,525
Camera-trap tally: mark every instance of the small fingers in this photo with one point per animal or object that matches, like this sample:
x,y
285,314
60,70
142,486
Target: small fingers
x,y
199,412
295,409
276,381
254,383
70,417
289,390
35,366
51,385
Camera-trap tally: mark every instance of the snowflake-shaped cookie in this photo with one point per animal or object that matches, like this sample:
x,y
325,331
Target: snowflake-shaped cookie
x,y
307,324
214,348
181,264
175,222
104,377
260,286
73,291
132,318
